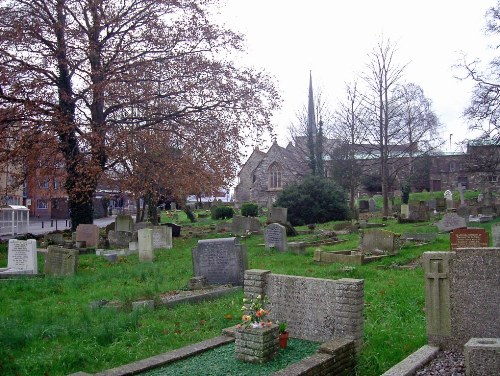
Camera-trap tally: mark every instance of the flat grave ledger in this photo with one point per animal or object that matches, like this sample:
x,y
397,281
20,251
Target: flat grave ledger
x,y
221,261
60,261
89,234
21,257
469,238
275,237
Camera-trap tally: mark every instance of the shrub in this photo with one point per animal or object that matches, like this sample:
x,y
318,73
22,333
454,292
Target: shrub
x,y
249,209
314,200
222,212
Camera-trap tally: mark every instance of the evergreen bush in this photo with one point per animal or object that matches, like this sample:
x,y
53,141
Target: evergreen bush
x,y
314,200
249,209
222,212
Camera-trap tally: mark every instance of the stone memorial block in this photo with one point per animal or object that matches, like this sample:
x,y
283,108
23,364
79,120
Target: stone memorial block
x,y
315,309
124,223
450,222
60,261
242,225
221,261
468,238
162,237
145,244
495,229
278,215
364,206
88,234
461,293
275,237
121,238
405,211
440,204
176,229
21,257
482,357
379,240
371,205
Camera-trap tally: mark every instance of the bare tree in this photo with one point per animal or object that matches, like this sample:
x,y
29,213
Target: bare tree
x,y
77,71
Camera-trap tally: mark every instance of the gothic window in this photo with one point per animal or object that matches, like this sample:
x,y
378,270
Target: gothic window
x,y
452,167
274,176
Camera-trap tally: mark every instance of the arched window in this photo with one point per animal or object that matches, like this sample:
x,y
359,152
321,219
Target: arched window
x,y
274,176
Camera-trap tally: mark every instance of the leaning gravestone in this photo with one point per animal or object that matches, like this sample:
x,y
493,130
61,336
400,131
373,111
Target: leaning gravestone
x,y
89,234
162,237
242,225
221,261
176,229
450,222
278,215
495,229
60,261
468,238
275,236
124,223
145,244
21,257
379,240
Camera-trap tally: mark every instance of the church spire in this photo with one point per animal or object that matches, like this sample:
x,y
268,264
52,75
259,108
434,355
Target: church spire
x,y
311,118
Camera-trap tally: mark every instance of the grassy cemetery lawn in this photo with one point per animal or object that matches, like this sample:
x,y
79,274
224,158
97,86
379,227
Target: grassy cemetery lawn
x,y
48,327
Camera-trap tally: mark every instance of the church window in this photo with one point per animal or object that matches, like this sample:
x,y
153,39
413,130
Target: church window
x,y
274,176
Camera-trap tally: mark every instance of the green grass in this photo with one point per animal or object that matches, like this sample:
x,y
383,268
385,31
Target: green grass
x,y
47,326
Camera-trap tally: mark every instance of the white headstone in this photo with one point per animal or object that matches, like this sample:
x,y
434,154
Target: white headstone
x,y
162,237
22,257
145,242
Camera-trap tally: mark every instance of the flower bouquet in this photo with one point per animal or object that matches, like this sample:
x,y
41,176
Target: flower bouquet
x,y
255,315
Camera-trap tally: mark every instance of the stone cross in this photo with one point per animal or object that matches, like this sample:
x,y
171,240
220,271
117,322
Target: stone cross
x,y
437,296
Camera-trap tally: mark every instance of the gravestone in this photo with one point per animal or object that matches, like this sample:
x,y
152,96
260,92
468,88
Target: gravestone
x,y
221,261
124,223
56,238
275,237
468,238
142,225
145,244
176,229
60,261
121,238
440,204
495,230
423,212
432,204
21,257
364,206
461,190
405,211
242,225
89,234
278,215
162,237
449,199
398,193
173,206
371,205
379,240
450,222
420,237
463,211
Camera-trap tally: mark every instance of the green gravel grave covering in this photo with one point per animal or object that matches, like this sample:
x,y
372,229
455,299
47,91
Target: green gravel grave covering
x,y
221,361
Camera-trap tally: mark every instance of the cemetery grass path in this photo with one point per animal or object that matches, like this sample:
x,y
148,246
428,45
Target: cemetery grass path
x,y
48,328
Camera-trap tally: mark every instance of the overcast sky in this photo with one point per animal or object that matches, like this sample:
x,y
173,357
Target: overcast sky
x,y
332,38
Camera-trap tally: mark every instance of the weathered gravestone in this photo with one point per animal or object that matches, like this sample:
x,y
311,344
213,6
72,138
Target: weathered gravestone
x,y
221,261
242,225
278,215
162,237
56,238
423,212
440,204
461,296
463,211
364,206
495,229
89,234
275,236
21,257
405,211
449,199
468,238
60,261
315,309
173,206
432,204
371,205
142,225
379,240
176,229
419,237
124,223
145,244
461,190
450,222
121,238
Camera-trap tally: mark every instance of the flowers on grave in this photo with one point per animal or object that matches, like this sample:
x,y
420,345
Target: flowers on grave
x,y
255,315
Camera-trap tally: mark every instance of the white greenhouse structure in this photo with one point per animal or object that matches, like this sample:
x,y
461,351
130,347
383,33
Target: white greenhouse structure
x,y
14,220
